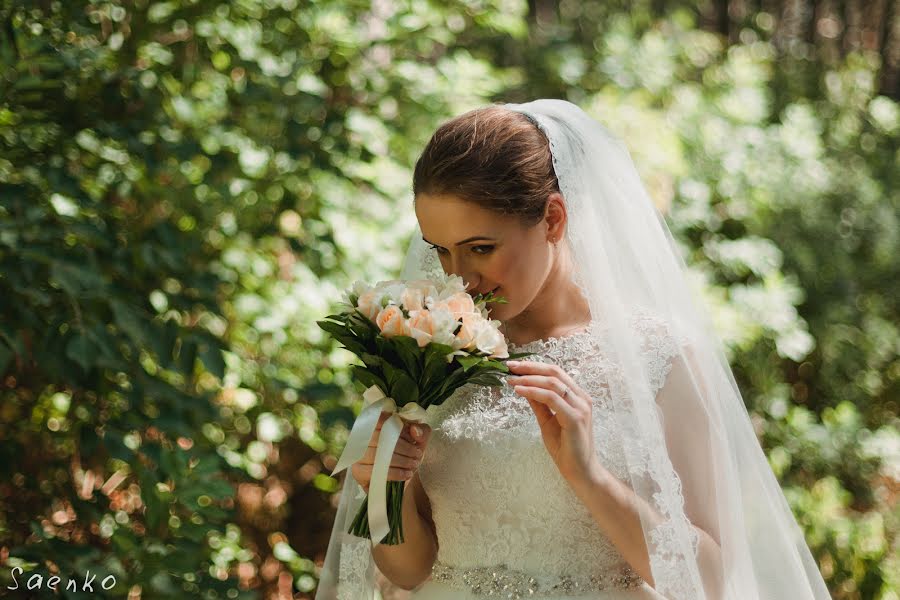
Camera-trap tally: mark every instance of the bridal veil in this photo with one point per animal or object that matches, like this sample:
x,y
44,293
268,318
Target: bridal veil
x,y
693,459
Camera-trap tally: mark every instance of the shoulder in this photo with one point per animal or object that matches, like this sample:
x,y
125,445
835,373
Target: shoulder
x,y
661,340
657,329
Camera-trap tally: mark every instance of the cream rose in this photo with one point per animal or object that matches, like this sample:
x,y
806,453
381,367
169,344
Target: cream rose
x,y
369,303
443,325
393,289
489,339
453,285
391,321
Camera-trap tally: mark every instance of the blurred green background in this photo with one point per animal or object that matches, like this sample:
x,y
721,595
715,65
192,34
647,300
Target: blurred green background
x,y
187,185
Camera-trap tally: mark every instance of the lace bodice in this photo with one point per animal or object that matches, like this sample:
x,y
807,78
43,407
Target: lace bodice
x,y
496,494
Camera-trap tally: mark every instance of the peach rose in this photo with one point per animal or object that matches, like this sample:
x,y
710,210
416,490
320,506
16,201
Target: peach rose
x,y
465,337
413,298
369,303
421,327
460,304
391,321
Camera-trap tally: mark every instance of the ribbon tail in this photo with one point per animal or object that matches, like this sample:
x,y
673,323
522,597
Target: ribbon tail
x,y
379,526
360,435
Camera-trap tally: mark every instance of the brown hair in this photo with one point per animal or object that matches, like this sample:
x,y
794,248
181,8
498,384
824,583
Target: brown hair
x,y
491,156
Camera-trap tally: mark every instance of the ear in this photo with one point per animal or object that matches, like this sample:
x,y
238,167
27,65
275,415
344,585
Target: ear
x,y
555,216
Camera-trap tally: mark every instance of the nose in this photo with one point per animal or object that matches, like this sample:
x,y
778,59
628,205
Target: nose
x,y
470,278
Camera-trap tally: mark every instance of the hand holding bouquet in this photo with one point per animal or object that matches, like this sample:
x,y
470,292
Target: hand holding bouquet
x,y
419,341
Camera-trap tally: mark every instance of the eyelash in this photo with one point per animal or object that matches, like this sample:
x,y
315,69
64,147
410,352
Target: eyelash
x,y
488,251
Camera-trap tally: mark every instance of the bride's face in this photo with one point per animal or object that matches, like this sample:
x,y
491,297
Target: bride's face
x,y
490,251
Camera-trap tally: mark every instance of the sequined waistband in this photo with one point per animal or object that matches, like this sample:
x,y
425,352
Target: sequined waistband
x,y
501,580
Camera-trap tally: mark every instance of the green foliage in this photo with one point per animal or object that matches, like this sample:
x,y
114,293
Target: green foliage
x,y
186,186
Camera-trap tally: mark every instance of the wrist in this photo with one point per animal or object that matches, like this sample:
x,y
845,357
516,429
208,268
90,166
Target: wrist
x,y
595,479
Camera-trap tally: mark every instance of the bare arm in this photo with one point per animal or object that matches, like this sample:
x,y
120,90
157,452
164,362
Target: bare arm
x,y
409,564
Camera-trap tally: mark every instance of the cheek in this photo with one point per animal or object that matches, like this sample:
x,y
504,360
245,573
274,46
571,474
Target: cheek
x,y
522,272
502,271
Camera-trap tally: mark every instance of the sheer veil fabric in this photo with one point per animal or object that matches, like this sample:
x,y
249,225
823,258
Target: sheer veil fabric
x,y
691,454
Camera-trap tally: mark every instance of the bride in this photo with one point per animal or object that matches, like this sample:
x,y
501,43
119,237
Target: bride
x,y
617,461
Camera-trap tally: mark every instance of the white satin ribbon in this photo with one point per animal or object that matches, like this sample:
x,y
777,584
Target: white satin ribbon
x,y
358,442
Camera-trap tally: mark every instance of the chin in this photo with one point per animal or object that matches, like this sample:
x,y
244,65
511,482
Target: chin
x,y
494,309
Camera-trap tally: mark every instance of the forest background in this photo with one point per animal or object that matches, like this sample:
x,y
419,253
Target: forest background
x,y
186,186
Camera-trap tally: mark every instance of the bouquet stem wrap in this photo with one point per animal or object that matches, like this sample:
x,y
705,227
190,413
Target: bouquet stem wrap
x,y
375,403
419,341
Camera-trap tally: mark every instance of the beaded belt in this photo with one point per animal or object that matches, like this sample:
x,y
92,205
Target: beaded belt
x,y
510,583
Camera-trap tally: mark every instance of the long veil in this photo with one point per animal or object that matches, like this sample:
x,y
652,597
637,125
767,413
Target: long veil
x,y
715,522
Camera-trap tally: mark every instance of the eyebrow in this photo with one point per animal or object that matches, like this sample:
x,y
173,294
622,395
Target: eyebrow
x,y
465,241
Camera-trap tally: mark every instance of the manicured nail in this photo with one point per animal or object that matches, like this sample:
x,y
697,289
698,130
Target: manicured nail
x,y
416,431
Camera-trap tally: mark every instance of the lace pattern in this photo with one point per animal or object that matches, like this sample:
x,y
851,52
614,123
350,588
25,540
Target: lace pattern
x,y
355,556
645,450
496,495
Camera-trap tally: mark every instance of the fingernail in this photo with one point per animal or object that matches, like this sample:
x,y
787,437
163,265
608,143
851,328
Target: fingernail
x,y
416,431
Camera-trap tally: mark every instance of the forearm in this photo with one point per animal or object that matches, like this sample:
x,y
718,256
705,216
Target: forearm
x,y
408,564
621,514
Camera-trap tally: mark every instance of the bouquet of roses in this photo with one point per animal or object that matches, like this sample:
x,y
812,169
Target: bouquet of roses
x,y
419,341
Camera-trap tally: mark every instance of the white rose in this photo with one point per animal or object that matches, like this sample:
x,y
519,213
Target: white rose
x,y
393,290
443,323
426,287
489,339
453,285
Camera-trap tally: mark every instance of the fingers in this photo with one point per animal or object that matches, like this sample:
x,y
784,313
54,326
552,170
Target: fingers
x,y
566,414
408,444
550,383
543,372
406,457
404,433
394,473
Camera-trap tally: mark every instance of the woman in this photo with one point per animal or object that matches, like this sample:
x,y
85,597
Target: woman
x,y
616,462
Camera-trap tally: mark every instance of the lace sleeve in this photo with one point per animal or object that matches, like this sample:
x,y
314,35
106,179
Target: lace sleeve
x,y
694,440
661,343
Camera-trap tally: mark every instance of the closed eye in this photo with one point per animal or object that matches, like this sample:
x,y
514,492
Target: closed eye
x,y
475,249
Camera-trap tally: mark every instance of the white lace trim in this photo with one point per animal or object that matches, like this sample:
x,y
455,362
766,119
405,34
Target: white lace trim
x,y
496,495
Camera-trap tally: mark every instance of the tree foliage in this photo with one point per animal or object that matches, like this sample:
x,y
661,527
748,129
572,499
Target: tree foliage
x,y
187,186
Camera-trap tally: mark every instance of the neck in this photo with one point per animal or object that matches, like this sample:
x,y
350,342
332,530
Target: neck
x,y
558,309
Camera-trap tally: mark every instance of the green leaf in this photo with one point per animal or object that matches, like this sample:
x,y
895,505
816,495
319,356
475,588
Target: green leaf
x,y
367,377
213,360
81,350
403,388
187,355
410,354
468,362
115,445
337,330
130,322
6,356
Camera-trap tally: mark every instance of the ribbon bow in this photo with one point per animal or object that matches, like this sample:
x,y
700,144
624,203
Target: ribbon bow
x,y
361,433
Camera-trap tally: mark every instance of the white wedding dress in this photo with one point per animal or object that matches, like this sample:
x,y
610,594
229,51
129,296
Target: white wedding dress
x,y
507,522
